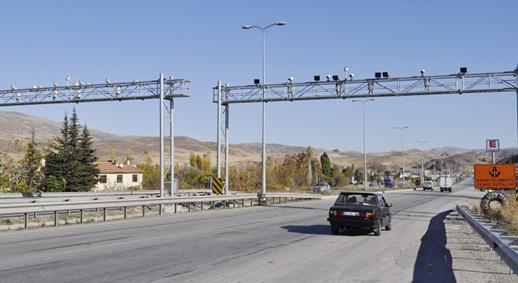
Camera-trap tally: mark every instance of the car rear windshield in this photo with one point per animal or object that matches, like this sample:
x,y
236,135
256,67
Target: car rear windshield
x,y
357,198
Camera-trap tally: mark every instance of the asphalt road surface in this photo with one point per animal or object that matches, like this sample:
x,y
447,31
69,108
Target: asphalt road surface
x,y
280,243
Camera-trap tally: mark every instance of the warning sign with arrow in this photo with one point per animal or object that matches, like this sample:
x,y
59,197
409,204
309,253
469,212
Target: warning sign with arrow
x,y
495,176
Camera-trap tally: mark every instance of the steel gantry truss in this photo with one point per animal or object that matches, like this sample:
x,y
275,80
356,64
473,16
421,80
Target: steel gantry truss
x,y
460,83
80,92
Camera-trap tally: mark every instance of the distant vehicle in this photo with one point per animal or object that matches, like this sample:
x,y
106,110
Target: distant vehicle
x,y
360,210
321,187
417,183
388,182
428,185
445,183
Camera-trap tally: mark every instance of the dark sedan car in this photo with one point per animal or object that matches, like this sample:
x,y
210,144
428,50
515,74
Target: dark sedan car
x,y
360,210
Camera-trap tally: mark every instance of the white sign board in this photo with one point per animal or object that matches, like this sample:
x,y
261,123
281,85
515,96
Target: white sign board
x,y
492,145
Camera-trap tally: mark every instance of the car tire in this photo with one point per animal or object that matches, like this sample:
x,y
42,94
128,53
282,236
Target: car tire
x,y
335,229
485,202
389,226
377,229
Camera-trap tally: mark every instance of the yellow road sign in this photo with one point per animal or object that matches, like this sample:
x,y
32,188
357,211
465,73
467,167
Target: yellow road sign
x,y
217,185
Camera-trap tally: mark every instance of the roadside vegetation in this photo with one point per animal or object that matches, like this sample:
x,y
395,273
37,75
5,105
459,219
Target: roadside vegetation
x,y
67,164
509,217
506,216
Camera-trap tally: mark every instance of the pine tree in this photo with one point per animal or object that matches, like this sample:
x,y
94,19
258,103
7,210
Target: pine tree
x,y
327,168
75,168
70,163
57,160
87,170
31,174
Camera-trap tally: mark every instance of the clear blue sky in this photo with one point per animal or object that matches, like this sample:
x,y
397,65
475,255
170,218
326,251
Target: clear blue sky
x,y
202,41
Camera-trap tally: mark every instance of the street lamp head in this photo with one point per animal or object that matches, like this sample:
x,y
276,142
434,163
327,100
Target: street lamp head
x,y
246,27
280,23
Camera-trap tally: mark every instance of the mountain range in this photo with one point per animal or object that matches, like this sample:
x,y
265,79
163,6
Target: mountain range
x,y
16,130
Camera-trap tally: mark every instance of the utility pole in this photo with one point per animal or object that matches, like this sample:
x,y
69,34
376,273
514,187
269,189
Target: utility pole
x,y
263,84
401,128
363,101
422,158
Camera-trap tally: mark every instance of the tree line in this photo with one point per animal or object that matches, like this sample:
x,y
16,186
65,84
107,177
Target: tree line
x,y
67,165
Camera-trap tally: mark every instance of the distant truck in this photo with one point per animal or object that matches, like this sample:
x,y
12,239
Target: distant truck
x,y
418,183
445,183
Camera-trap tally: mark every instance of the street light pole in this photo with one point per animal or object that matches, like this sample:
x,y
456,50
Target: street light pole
x,y
401,128
422,158
363,101
263,30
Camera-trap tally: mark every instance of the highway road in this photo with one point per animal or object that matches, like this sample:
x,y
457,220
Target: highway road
x,y
280,243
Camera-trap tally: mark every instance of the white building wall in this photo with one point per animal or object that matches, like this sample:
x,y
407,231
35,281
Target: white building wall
x,y
112,184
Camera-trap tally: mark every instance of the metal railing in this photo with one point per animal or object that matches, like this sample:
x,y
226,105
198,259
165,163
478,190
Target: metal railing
x,y
16,210
505,246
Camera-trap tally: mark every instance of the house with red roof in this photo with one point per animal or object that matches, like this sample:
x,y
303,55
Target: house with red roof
x,y
114,176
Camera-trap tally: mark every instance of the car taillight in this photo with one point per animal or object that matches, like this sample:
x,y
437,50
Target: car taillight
x,y
335,212
366,214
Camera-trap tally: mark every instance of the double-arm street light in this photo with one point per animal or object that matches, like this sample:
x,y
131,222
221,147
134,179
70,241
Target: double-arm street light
x,y
263,30
401,128
363,101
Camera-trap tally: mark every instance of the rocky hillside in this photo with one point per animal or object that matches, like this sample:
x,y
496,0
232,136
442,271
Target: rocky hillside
x,y
16,128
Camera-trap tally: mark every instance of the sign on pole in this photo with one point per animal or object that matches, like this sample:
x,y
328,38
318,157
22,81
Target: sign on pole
x,y
216,185
492,145
495,176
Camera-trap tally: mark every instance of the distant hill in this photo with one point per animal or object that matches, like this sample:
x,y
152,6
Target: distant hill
x,y
15,132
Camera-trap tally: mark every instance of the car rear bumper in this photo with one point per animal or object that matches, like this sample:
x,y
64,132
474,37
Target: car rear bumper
x,y
353,222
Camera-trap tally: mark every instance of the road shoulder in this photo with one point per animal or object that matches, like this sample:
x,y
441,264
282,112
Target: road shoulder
x,y
472,259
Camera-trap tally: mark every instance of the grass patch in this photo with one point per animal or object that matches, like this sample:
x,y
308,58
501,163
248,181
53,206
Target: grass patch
x,y
508,217
7,222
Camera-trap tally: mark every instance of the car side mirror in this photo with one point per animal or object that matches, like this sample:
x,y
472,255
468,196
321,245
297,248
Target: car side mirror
x,y
389,204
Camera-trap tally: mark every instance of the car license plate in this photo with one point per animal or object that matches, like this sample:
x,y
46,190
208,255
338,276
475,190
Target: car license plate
x,y
350,213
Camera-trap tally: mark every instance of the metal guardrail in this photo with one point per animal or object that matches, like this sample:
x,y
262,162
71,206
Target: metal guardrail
x,y
24,209
45,197
505,246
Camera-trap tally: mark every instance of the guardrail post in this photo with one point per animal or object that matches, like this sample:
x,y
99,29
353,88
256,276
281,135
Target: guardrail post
x,y
26,220
202,205
56,218
243,202
34,215
213,205
233,204
143,210
189,207
160,209
251,202
104,214
125,212
80,216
